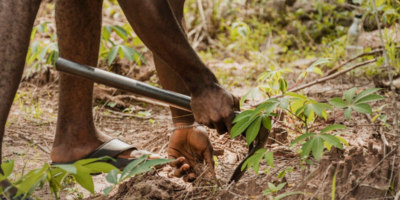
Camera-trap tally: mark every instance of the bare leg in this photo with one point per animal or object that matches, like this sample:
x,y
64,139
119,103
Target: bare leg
x,y
78,29
16,22
168,78
190,145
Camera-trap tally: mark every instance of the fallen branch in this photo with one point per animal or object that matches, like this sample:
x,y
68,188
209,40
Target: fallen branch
x,y
321,80
380,50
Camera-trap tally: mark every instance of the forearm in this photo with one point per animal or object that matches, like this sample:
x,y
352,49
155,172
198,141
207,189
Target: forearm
x,y
155,24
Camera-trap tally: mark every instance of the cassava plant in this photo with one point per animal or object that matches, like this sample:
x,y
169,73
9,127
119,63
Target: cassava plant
x,y
313,138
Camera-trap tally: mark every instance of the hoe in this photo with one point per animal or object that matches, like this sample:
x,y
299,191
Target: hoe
x,y
150,92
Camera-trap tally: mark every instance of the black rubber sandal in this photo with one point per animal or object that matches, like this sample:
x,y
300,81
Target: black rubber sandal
x,y
111,148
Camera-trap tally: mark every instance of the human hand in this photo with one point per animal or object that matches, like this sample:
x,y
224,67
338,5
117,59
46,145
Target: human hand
x,y
215,107
189,147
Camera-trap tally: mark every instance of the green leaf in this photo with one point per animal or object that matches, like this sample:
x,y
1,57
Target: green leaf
x,y
84,179
296,95
100,167
253,130
284,103
113,53
128,52
347,113
369,98
7,167
283,85
349,94
252,92
242,115
301,137
155,162
272,187
266,121
366,93
318,108
338,102
266,107
379,2
121,32
320,61
318,147
306,149
333,127
269,158
67,167
132,165
332,140
240,126
362,108
107,190
139,170
334,183
280,186
344,141
112,176
105,34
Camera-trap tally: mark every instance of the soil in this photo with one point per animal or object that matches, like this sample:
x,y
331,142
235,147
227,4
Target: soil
x,y
366,169
362,170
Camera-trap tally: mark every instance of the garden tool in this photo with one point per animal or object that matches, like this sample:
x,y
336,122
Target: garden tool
x,y
173,99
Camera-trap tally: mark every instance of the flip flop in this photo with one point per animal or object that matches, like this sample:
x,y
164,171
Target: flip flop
x,y
111,148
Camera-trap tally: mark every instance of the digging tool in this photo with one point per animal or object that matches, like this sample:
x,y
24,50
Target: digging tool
x,y
145,90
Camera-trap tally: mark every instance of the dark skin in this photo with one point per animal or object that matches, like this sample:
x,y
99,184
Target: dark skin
x,y
159,24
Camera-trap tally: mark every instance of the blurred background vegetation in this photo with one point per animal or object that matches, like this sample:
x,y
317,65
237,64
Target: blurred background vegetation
x,y
253,34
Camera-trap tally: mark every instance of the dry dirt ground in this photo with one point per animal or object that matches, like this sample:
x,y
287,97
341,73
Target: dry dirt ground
x,y
363,170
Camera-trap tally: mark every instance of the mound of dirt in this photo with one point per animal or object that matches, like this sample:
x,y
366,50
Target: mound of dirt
x,y
147,187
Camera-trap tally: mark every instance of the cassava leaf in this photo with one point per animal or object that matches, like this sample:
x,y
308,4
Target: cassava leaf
x,y
333,127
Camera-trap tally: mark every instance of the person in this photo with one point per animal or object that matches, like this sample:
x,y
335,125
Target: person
x,y
160,24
